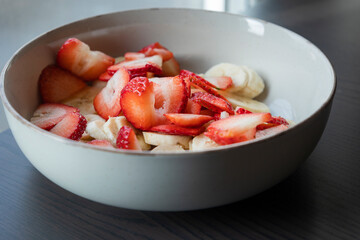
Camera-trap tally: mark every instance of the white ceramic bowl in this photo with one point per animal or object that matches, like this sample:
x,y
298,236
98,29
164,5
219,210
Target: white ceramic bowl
x,y
300,84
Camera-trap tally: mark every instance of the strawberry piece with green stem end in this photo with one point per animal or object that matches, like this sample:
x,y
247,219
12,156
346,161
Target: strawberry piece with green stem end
x,y
127,139
188,120
212,102
76,57
236,128
176,130
72,126
107,102
47,115
57,84
137,103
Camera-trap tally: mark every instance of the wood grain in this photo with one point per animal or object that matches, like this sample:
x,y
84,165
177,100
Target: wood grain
x,y
320,201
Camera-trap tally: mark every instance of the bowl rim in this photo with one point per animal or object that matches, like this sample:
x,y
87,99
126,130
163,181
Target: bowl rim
x,y
27,123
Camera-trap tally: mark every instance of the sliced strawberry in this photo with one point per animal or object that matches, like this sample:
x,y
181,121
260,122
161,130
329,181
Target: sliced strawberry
x,y
271,131
157,49
171,67
127,139
171,94
47,115
212,102
188,120
137,103
236,128
222,115
176,130
222,82
103,143
207,112
105,76
139,68
107,102
192,107
198,79
240,110
72,126
274,121
130,56
76,57
57,84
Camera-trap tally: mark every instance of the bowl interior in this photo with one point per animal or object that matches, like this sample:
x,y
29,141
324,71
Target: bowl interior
x,y
299,78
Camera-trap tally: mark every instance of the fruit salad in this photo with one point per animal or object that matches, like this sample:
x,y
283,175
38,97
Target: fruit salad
x,y
146,101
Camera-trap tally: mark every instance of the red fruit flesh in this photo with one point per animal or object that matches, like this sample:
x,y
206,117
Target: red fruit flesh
x,y
242,111
103,143
170,94
176,130
157,49
105,76
222,82
236,128
76,57
137,103
72,126
107,102
274,121
188,120
57,84
139,68
127,139
192,107
196,78
130,56
212,102
47,115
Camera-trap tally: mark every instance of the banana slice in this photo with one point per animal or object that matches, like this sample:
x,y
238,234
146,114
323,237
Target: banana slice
x,y
168,148
246,82
112,126
247,103
144,146
95,129
83,100
202,142
158,139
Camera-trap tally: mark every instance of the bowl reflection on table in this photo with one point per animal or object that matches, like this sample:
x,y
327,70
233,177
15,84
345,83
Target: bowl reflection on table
x,y
300,83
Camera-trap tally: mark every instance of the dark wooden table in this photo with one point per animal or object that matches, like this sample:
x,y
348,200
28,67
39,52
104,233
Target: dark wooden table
x,y
319,201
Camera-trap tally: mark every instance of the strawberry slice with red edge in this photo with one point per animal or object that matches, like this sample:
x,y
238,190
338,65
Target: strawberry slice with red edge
x,y
275,121
212,102
130,56
57,84
139,67
236,128
240,110
76,57
102,143
176,130
171,94
137,103
192,107
107,101
127,139
188,120
105,76
157,49
222,82
72,126
47,115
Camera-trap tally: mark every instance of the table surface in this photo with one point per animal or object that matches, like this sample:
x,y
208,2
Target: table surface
x,y
321,200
